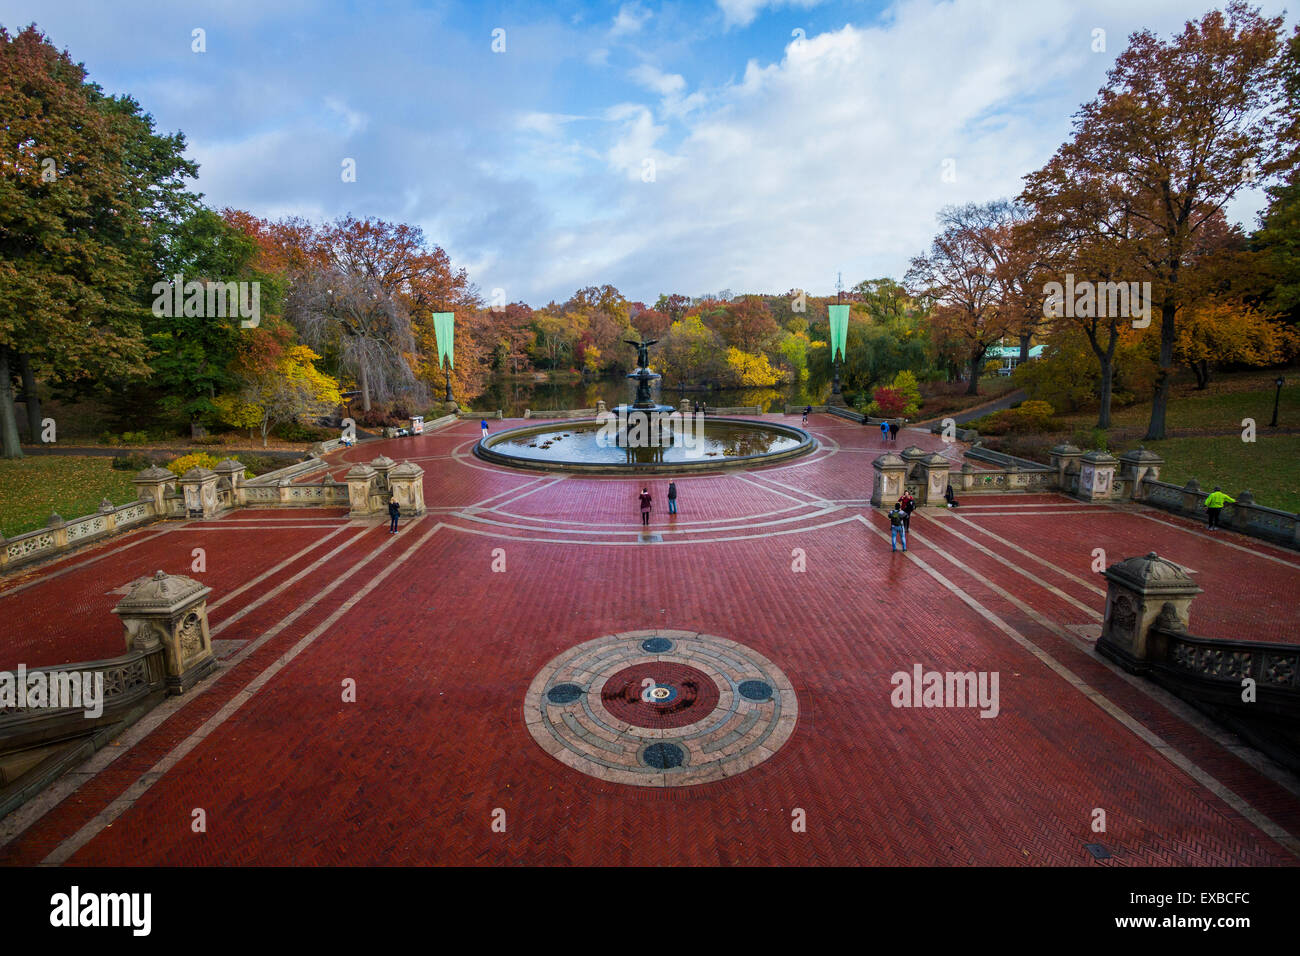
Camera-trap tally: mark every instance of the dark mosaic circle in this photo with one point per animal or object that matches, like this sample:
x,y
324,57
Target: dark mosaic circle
x,y
656,645
663,756
679,695
755,689
564,693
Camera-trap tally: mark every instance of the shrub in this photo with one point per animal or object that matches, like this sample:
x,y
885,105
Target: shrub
x,y
888,402
293,431
1091,439
198,459
133,462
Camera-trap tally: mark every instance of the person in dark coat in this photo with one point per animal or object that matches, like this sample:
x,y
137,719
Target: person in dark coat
x,y
949,497
672,497
907,504
393,512
645,505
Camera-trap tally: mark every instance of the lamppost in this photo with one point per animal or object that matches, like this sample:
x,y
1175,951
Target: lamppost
x,y
1279,382
448,370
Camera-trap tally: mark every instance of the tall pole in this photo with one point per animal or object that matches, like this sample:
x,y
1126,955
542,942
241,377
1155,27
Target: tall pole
x,y
1276,398
448,370
835,385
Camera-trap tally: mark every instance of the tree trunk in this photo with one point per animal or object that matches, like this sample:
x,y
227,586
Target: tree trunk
x,y
30,398
1160,401
9,444
975,361
1202,371
365,389
1107,387
1024,347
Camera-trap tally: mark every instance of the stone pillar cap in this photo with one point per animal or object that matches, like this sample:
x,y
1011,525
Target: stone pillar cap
x,y
161,594
934,458
1066,449
198,474
1141,454
383,461
229,464
407,469
360,471
154,473
1151,574
889,460
1098,457
911,451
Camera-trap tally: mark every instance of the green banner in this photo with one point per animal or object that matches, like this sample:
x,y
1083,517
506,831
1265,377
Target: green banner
x,y
839,329
444,328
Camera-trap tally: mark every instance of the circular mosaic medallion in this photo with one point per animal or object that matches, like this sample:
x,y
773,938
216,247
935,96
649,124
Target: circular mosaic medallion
x,y
661,708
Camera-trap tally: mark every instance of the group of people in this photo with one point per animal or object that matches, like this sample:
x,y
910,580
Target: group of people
x,y
646,501
888,431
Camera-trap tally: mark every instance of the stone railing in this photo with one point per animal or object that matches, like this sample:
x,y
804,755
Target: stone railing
x,y
1244,515
289,472
205,493
60,536
1252,686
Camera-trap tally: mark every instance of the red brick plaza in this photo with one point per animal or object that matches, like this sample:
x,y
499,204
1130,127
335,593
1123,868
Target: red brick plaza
x,y
787,570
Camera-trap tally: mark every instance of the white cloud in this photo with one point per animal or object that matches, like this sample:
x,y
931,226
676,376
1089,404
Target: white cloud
x,y
630,18
652,78
741,13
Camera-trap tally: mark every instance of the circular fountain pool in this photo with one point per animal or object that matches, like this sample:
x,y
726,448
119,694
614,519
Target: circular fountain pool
x,y
670,444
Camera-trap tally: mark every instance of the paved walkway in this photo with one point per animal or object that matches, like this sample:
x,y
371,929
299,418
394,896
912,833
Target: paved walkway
x,y
446,626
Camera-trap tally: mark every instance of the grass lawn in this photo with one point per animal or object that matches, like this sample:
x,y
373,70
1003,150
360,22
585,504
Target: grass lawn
x,y
1227,400
32,487
1269,467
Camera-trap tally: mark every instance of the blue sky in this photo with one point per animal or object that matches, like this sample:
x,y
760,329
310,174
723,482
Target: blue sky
x,y
660,147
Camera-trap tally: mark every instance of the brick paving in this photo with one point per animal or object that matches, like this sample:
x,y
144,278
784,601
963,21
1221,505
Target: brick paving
x,y
785,560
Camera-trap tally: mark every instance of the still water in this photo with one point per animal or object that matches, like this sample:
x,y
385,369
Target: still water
x,y
512,397
693,440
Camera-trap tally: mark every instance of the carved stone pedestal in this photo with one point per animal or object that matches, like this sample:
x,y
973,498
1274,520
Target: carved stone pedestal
x,y
171,610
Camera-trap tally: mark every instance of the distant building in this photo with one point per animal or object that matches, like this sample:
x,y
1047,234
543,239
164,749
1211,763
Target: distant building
x,y
1009,356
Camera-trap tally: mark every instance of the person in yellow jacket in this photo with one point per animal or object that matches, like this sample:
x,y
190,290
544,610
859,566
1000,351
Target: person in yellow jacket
x,y
1214,503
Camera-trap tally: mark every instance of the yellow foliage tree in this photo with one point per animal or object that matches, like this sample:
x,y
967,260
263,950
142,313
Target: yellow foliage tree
x,y
747,369
1218,332
290,389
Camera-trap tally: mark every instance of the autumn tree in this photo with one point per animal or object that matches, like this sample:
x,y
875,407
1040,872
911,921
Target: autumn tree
x,y
1217,332
1179,128
960,275
86,188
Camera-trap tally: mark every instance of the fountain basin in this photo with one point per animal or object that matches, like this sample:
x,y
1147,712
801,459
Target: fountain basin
x,y
703,444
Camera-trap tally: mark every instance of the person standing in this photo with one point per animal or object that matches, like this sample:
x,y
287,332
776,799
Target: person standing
x,y
483,424
1214,503
907,504
645,506
672,497
884,432
393,512
896,529
949,497
704,408
807,410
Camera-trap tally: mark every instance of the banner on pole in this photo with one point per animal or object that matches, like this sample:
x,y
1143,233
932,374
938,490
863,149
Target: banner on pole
x,y
444,329
839,329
